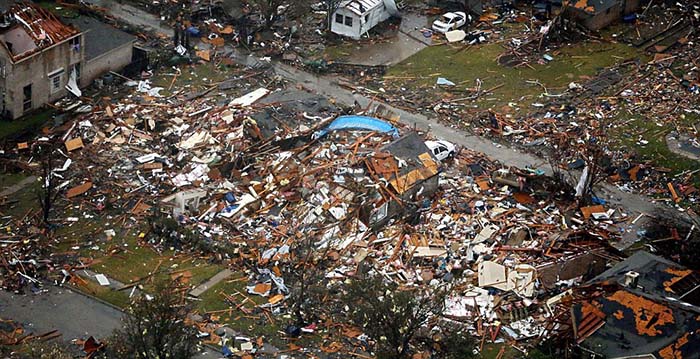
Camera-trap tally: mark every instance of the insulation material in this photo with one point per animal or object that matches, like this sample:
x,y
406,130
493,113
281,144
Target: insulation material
x,y
455,35
72,85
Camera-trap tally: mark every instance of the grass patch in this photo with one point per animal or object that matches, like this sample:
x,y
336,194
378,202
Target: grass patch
x,y
575,63
192,78
340,51
636,128
213,300
114,297
11,179
138,262
59,10
490,351
22,126
134,263
22,202
124,259
256,325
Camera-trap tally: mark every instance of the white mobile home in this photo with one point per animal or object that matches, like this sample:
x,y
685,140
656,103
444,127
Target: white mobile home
x,y
355,17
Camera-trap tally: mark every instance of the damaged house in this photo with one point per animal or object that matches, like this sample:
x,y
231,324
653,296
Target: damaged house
x,y
39,54
43,57
597,14
106,48
354,18
645,307
411,172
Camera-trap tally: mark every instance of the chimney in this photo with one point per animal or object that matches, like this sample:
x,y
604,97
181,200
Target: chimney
x,y
631,280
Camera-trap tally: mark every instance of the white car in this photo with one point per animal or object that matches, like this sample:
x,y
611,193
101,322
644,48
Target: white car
x,y
442,150
450,21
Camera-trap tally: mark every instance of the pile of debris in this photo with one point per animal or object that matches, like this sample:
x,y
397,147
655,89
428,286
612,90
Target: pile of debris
x,y
264,180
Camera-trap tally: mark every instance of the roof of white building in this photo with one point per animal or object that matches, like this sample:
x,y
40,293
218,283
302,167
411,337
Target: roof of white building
x,y
361,7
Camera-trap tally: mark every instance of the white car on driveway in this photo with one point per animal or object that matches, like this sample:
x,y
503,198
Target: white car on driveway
x,y
450,21
442,150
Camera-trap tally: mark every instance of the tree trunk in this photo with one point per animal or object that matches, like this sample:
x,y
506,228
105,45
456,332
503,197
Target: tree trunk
x,y
46,201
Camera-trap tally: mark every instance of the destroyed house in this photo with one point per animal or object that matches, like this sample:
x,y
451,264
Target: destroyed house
x,y
42,56
410,173
647,309
597,14
354,18
39,54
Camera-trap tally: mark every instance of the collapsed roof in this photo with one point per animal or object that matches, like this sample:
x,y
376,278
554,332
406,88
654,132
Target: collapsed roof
x,y
28,28
361,7
593,6
648,308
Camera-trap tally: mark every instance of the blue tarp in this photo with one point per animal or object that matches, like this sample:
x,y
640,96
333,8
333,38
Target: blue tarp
x,y
358,123
193,31
226,351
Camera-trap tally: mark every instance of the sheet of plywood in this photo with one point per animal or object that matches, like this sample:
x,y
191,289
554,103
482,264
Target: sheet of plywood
x,y
78,190
588,211
74,144
428,252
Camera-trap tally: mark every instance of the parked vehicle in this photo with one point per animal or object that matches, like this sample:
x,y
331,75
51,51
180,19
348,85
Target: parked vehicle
x,y
450,21
441,149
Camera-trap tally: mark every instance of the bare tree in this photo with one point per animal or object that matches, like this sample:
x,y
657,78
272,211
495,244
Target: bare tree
x,y
268,10
307,276
392,316
47,194
331,6
593,173
155,328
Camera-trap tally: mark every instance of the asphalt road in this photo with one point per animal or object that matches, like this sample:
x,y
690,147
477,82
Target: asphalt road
x,y
74,315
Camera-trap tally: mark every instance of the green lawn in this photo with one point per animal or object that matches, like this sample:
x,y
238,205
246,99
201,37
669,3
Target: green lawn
x,y
634,127
255,325
117,298
22,202
192,78
59,10
339,51
10,179
125,259
24,125
134,261
463,66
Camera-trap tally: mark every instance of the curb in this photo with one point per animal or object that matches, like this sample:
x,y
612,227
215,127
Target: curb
x,y
210,347
88,295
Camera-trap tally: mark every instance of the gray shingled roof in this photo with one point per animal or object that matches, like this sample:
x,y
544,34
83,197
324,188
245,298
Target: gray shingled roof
x,y
100,38
5,5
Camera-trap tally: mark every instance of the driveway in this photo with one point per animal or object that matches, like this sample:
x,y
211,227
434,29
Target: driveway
x,y
408,41
134,16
